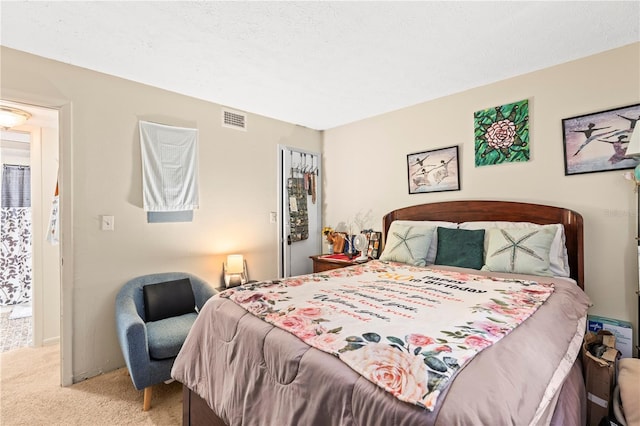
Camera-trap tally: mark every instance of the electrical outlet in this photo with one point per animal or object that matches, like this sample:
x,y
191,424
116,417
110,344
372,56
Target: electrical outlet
x,y
107,223
273,217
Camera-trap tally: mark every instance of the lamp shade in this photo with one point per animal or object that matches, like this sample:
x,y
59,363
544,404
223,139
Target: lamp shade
x,y
633,149
235,264
11,117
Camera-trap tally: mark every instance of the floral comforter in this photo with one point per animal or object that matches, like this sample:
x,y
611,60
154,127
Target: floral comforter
x,y
409,330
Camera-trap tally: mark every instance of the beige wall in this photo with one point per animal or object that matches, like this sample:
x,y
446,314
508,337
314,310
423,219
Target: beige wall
x,y
101,170
371,155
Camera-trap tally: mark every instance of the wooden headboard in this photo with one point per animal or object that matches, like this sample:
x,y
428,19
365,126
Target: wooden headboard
x,y
467,211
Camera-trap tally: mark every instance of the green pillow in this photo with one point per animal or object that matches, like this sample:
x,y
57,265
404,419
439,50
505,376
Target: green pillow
x,y
460,247
520,251
407,244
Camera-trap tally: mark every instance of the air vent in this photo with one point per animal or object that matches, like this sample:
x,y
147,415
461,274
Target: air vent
x,y
234,120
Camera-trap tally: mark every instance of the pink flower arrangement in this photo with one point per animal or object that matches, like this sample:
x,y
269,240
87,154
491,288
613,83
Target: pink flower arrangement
x,y
309,312
490,327
502,309
329,342
257,308
398,372
501,134
477,342
419,340
294,282
292,323
310,332
246,296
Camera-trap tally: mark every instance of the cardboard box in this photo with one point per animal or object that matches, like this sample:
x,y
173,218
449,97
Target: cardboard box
x,y
620,329
599,376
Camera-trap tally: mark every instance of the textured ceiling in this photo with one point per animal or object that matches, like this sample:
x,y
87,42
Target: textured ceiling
x,y
317,64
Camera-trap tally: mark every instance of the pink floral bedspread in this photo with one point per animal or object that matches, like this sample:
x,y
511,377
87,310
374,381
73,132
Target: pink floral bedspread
x,y
407,329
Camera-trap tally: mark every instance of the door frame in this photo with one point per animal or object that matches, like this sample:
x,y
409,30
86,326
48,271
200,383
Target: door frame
x,y
281,200
65,186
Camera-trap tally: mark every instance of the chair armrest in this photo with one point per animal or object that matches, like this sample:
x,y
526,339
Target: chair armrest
x,y
132,334
202,293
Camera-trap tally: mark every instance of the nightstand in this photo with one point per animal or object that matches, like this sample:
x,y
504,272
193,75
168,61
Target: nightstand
x,y
327,262
223,288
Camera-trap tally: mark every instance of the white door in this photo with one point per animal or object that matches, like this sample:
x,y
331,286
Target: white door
x,y
300,211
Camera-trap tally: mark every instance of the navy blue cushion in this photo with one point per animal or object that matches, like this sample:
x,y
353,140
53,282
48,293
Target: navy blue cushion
x,y
168,299
167,335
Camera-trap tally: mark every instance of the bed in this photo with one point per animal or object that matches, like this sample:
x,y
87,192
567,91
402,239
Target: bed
x,y
238,369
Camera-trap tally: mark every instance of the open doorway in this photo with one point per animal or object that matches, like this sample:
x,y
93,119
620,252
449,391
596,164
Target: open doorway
x,y
16,232
30,310
299,210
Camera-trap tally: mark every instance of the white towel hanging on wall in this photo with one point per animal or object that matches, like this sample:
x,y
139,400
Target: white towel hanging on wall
x,y
169,167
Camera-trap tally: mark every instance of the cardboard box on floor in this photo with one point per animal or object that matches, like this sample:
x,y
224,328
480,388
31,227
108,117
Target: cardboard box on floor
x,y
599,375
621,329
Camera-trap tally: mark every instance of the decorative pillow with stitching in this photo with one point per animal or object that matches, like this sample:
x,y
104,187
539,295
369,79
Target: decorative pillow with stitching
x,y
520,250
433,247
168,299
558,258
460,247
407,244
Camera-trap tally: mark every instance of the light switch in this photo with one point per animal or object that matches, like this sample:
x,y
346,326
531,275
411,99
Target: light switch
x,y
106,223
273,217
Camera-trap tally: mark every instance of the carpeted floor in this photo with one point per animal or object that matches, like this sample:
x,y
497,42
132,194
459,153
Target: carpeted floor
x,y
30,394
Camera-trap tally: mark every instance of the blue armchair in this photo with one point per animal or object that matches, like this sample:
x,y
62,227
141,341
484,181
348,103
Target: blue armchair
x,y
149,344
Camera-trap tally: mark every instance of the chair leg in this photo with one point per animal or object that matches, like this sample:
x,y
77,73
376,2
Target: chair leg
x,y
147,399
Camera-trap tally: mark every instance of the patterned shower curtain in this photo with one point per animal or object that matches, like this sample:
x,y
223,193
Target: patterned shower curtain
x,y
15,235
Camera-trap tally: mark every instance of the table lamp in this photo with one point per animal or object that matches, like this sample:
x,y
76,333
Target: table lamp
x,y
234,270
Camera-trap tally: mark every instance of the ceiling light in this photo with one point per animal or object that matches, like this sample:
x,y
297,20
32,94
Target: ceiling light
x,y
11,117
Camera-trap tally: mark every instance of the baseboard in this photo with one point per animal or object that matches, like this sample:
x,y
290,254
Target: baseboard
x,y
51,341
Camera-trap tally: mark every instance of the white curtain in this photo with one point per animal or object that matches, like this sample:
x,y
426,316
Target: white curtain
x,y
169,167
15,235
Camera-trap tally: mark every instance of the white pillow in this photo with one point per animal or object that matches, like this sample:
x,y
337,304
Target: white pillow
x,y
519,250
558,257
407,243
433,247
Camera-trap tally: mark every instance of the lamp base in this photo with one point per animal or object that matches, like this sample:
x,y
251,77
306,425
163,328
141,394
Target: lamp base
x,y
233,280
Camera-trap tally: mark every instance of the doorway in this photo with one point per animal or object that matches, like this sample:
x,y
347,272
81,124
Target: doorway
x,y
16,270
299,210
35,144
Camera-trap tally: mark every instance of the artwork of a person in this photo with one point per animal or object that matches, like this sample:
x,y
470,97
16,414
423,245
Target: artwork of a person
x,y
440,173
419,177
632,121
420,162
590,129
591,137
619,150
